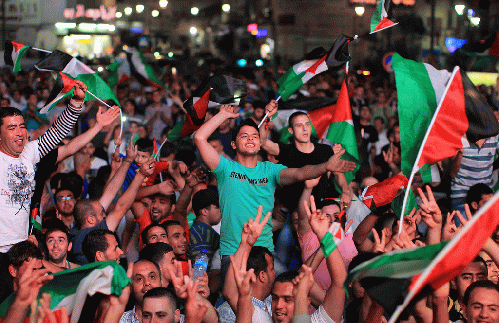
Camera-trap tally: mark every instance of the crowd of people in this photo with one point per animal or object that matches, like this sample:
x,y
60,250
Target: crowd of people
x,y
278,221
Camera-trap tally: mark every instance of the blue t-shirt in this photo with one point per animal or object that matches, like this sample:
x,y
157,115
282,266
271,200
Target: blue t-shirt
x,y
241,190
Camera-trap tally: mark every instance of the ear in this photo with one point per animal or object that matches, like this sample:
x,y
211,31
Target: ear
x,y
453,284
262,276
91,219
172,208
233,144
13,271
70,246
177,315
474,205
99,256
290,130
204,212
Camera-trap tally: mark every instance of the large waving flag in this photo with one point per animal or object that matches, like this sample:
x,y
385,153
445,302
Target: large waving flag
x,y
315,62
341,131
141,70
70,288
119,72
380,19
63,87
13,53
214,91
58,61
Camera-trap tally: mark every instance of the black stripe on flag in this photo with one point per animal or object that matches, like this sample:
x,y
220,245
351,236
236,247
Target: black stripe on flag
x,y
56,61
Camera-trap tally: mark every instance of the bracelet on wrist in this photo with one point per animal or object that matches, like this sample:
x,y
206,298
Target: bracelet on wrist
x,y
76,104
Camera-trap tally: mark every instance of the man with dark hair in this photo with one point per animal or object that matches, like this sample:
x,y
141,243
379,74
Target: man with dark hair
x,y
161,254
158,115
481,302
154,233
65,199
19,255
160,305
102,245
202,235
58,244
246,183
146,276
477,196
176,238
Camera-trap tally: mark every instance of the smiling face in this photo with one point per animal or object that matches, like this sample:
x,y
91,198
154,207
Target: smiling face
x,y
483,306
301,129
57,246
13,136
247,141
177,239
283,302
160,208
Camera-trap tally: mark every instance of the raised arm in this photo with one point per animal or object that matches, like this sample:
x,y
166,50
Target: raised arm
x,y
63,125
125,201
193,178
269,146
209,155
334,164
103,119
115,183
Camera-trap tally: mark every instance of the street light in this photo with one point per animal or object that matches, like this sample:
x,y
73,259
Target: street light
x,y
163,3
459,9
194,11
128,11
155,13
359,11
139,8
193,30
118,14
475,21
226,7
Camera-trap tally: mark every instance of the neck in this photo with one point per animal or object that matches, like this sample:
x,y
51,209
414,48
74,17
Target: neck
x,y
259,292
63,263
68,220
247,161
304,147
203,219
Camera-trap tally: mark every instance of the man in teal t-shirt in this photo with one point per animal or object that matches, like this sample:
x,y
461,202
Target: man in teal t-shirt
x,y
246,183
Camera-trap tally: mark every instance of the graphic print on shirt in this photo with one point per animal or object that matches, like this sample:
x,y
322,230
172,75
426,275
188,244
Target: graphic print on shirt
x,y
20,185
243,177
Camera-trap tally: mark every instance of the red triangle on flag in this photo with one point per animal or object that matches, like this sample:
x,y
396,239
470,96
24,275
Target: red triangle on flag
x,y
195,116
343,112
321,119
338,234
17,46
384,23
68,82
313,69
494,49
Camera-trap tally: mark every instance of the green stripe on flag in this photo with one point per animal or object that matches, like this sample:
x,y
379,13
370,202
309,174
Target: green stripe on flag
x,y
377,16
20,54
97,86
397,203
343,133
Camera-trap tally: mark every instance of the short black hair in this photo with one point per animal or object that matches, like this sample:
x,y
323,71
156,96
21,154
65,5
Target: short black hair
x,y
152,262
167,149
53,225
476,192
9,112
479,284
286,277
82,210
204,199
95,241
246,122
257,260
295,115
146,230
327,201
155,252
169,223
23,251
145,145
163,292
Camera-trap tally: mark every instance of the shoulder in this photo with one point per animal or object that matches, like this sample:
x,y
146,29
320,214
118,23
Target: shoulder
x,y
323,148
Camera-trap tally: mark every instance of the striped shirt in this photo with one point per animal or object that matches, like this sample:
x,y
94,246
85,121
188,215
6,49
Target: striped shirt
x,y
476,167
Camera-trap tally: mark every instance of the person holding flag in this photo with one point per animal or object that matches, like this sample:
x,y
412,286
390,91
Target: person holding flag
x,y
300,152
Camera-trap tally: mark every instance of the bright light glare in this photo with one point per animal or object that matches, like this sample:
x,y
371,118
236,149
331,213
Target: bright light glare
x,y
118,14
155,13
475,21
170,54
139,8
163,3
459,8
359,11
128,11
259,62
226,7
193,30
194,11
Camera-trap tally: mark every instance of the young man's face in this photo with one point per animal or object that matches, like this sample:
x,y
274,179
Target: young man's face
x,y
492,270
474,272
247,141
301,129
283,302
177,239
214,215
156,234
332,211
17,273
58,246
89,149
160,208
142,158
113,251
65,202
159,310
13,135
483,306
168,261
145,277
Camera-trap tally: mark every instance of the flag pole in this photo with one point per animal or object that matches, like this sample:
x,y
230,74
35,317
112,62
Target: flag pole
x,y
41,50
406,196
415,168
107,105
267,114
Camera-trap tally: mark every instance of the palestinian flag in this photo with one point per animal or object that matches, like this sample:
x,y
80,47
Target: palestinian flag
x,y
63,87
334,236
67,64
141,70
214,91
13,53
315,62
70,288
383,193
397,203
380,20
462,115
341,131
119,72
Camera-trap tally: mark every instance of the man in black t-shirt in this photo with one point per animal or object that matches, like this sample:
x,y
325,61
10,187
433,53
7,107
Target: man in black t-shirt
x,y
302,151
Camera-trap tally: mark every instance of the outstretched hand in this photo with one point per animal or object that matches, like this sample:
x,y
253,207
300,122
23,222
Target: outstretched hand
x,y
336,164
104,119
229,111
